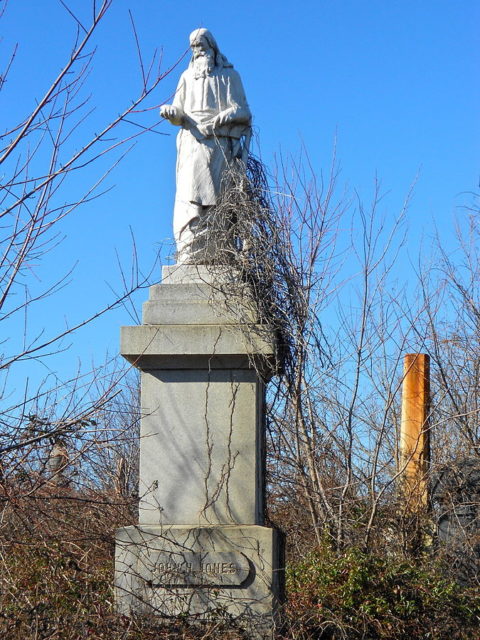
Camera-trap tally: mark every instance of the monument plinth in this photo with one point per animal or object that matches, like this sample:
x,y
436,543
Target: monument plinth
x,y
201,547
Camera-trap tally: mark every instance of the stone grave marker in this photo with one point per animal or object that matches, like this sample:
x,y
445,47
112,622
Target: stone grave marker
x,y
201,547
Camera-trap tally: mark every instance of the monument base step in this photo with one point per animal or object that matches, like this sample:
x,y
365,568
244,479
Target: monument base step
x,y
209,572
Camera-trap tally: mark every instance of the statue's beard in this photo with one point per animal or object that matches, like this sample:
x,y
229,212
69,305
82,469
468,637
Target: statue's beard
x,y
203,65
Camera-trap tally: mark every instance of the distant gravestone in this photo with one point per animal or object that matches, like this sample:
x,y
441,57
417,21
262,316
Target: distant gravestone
x,y
456,505
57,464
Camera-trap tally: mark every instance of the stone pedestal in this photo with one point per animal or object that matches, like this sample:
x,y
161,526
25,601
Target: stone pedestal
x,y
200,547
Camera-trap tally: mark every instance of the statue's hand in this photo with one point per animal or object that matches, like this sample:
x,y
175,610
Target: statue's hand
x,y
206,129
174,114
222,119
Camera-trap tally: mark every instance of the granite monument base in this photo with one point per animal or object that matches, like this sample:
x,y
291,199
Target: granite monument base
x,y
200,550
232,572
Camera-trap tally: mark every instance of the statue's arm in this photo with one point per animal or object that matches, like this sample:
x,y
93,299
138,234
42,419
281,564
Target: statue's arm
x,y
233,115
174,112
238,111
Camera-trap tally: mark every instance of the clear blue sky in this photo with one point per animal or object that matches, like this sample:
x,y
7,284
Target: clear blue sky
x,y
396,82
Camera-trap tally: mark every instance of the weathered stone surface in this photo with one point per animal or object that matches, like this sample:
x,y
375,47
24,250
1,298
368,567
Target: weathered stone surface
x,y
215,275
201,447
251,597
141,341
197,303
212,569
191,321
455,491
200,548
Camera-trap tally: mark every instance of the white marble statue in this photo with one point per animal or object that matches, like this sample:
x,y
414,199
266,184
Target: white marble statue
x,y
212,111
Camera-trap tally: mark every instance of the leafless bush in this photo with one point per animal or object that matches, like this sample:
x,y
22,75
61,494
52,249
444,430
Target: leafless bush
x,y
68,470
333,401
43,154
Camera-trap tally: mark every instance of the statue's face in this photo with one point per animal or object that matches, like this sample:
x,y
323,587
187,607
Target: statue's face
x,y
200,47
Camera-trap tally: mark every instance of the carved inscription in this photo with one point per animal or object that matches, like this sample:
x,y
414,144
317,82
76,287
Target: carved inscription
x,y
212,569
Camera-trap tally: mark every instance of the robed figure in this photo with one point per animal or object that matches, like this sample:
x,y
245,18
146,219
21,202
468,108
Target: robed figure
x,y
212,111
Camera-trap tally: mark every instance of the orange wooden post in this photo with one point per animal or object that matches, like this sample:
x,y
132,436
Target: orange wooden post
x,y
415,435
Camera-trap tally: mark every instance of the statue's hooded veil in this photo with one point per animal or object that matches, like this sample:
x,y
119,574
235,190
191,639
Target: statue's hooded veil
x,y
220,59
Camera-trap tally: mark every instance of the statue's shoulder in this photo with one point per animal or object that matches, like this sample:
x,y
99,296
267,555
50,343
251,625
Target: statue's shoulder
x,y
229,73
229,70
185,75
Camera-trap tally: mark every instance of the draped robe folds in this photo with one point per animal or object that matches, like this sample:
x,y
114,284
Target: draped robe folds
x,y
203,156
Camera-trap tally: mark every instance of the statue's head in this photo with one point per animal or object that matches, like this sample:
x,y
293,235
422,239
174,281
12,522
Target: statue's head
x,y
204,46
202,43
